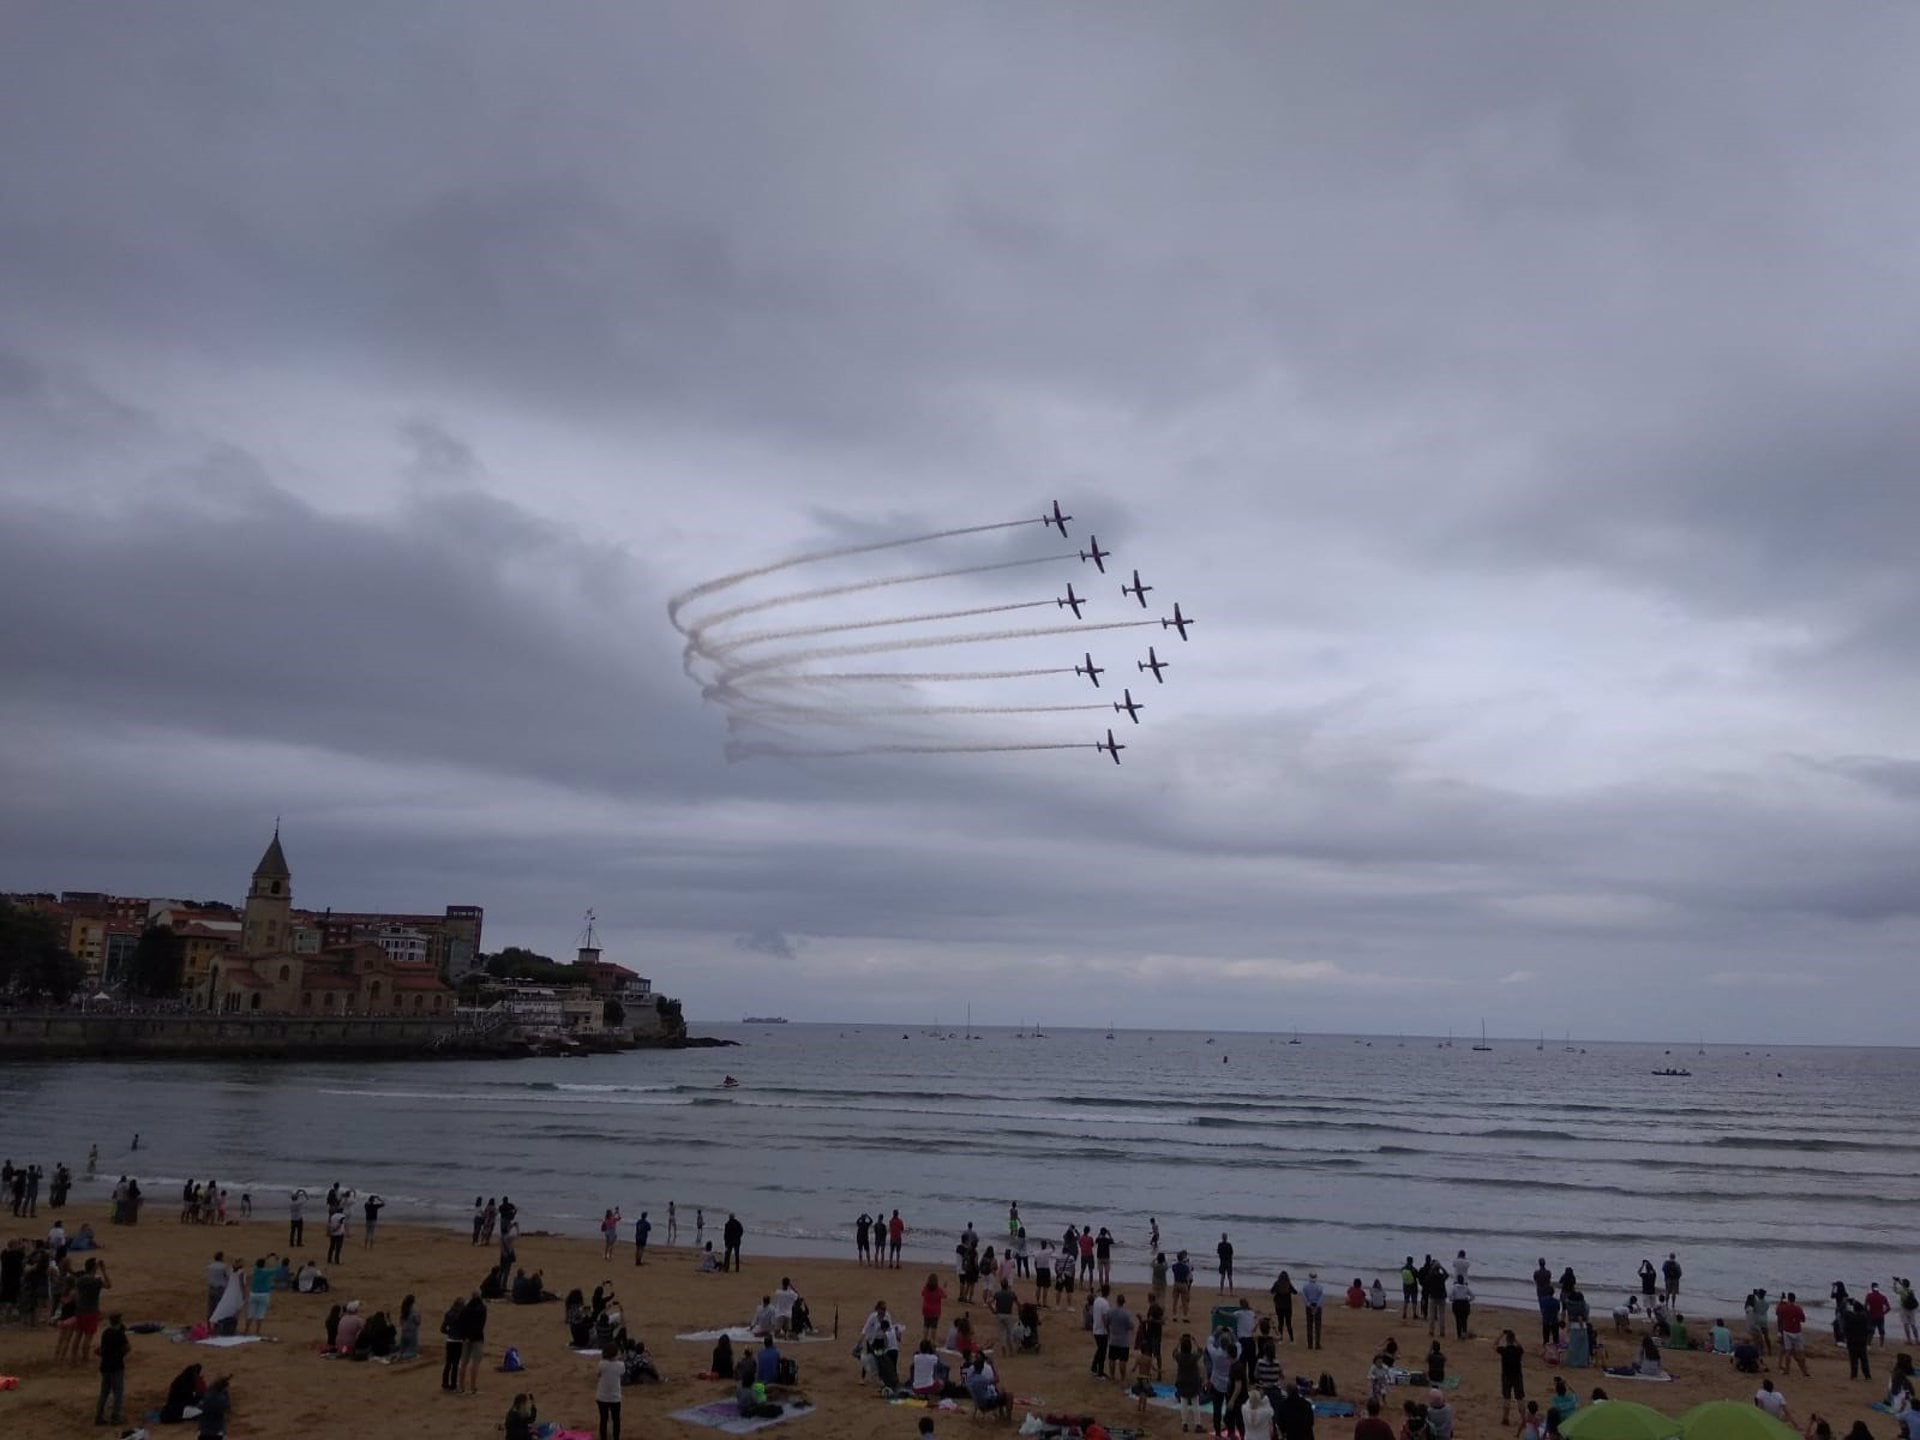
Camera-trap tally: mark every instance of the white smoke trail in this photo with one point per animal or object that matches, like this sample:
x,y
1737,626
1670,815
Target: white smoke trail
x,y
932,642
747,749
827,592
739,577
801,632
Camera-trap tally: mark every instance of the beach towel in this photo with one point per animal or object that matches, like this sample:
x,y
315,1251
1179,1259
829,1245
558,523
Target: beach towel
x,y
1419,1377
232,1301
227,1342
724,1416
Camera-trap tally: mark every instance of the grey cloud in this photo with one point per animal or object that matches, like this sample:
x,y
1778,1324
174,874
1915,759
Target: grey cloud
x,y
371,386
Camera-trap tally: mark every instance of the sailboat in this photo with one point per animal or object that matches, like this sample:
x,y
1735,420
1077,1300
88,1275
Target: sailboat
x,y
1109,1030
1296,1038
1483,1038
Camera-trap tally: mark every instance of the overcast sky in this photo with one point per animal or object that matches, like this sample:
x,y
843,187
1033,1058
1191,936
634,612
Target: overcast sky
x,y
1522,396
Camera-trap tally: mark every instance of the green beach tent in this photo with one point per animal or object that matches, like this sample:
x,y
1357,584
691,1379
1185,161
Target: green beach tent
x,y
1618,1420
1733,1420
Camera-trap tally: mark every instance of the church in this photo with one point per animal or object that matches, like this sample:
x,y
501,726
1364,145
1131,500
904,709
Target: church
x,y
276,971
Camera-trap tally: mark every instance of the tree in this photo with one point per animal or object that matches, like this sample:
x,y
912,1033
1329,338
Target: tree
x,y
516,963
158,964
33,962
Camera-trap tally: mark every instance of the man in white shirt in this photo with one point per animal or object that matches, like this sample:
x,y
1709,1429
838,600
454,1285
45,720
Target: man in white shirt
x,y
783,1302
1772,1401
1460,1267
1099,1313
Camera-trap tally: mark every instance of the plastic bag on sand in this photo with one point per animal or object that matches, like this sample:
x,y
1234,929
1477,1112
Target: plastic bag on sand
x,y
1034,1425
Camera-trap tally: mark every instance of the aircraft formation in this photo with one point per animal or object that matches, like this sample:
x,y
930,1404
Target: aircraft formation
x,y
785,693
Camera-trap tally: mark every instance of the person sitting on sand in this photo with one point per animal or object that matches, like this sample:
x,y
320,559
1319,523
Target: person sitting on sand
x,y
1356,1295
407,1345
923,1375
750,1396
521,1418
579,1320
352,1322
1648,1364
311,1280
1436,1364
801,1321
1377,1295
376,1340
960,1337
766,1365
638,1366
1720,1338
332,1323
183,1395
1677,1337
721,1365
708,1265
983,1384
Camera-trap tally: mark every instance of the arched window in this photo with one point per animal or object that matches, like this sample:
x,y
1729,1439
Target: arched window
x,y
306,1000
256,999
276,887
329,999
373,994
286,973
418,1001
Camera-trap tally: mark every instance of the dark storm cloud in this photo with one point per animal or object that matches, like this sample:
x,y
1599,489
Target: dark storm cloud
x,y
373,377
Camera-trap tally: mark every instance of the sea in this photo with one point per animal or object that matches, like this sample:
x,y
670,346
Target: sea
x,y
1777,1167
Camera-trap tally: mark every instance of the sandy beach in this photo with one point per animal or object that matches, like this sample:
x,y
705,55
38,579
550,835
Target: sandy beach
x,y
286,1389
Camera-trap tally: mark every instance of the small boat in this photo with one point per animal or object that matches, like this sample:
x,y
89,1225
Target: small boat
x,y
1483,1038
729,1083
1677,1074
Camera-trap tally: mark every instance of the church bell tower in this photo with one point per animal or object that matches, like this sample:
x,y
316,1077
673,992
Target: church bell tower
x,y
268,925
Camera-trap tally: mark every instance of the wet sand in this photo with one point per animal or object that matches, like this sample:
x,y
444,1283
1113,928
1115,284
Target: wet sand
x,y
286,1390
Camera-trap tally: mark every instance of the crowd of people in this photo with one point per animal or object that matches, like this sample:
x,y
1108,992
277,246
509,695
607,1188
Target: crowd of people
x,y
1226,1375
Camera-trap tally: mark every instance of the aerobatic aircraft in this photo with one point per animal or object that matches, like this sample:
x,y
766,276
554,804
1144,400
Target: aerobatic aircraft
x,y
1178,622
1073,602
1112,746
1096,554
1057,520
1137,590
1092,671
1155,664
1132,706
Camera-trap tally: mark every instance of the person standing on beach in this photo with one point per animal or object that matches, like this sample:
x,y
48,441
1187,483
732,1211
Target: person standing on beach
x,y
371,1208
1182,1286
1433,1290
1649,1281
896,1232
642,1228
1086,1254
450,1333
1461,1300
336,1237
1225,1251
1101,1306
1103,1255
114,1346
473,1343
259,1295
699,1227
862,1230
1283,1292
733,1234
1043,1275
673,1224
932,1296
1877,1305
1670,1272
606,1390
1857,1332
1313,1299
296,1220
1513,1386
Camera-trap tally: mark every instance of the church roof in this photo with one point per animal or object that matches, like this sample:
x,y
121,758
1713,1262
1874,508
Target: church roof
x,y
273,864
